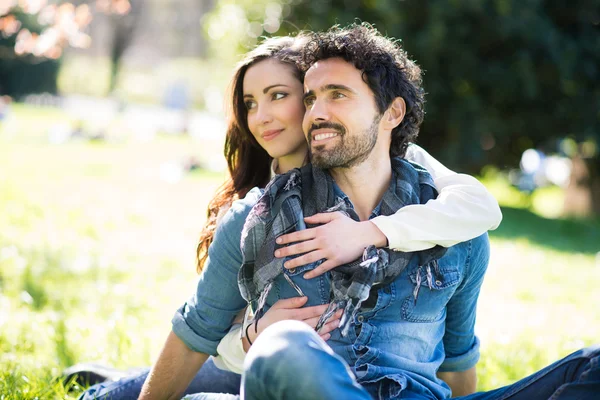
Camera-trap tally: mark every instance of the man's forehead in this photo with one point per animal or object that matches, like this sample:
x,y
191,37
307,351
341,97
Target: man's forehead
x,y
330,70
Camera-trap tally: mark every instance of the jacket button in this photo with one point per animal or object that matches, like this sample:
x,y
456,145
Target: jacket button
x,y
438,283
292,271
360,318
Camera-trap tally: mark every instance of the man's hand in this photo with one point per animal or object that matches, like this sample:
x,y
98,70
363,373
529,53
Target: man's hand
x,y
286,309
339,241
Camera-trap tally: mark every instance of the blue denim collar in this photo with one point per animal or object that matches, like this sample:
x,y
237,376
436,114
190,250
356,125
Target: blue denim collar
x,y
339,194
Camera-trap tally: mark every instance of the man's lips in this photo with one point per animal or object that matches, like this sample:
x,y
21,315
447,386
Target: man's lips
x,y
323,134
271,134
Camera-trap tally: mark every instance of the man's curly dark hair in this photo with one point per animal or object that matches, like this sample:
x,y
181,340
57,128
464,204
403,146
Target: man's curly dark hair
x,y
385,68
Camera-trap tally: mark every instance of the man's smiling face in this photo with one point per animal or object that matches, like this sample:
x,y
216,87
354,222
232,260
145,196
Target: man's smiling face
x,y
342,122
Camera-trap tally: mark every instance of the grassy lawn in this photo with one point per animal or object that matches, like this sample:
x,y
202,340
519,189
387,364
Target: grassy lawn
x,y
97,251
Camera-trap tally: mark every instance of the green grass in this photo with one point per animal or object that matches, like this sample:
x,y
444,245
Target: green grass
x,y
96,253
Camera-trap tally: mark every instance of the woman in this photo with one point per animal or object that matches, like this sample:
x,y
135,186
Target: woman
x,y
265,137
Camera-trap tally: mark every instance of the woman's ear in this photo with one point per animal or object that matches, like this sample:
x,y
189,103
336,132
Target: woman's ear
x,y
394,114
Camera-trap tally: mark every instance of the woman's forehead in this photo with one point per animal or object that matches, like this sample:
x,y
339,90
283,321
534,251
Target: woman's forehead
x,y
267,73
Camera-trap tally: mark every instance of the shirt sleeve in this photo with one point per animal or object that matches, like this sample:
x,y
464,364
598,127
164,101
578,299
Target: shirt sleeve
x,y
463,210
231,351
461,346
207,316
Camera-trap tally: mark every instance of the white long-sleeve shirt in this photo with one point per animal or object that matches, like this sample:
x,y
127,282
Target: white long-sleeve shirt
x,y
463,210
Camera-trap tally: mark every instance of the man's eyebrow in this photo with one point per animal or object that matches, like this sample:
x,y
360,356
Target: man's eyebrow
x,y
266,90
331,86
336,86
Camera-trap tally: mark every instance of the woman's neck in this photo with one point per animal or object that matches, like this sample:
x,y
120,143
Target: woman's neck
x,y
290,161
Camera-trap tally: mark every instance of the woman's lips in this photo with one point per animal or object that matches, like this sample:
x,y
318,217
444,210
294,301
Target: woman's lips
x,y
271,134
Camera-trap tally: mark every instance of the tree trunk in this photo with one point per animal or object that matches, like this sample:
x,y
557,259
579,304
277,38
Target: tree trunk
x,y
594,168
582,196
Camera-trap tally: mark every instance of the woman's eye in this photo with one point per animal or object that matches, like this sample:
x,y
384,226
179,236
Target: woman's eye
x,y
279,95
250,104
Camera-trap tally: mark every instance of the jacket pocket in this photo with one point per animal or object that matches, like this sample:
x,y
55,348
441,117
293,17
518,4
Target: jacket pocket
x,y
292,284
431,291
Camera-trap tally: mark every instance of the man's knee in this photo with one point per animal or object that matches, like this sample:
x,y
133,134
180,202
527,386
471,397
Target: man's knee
x,y
589,360
591,351
284,347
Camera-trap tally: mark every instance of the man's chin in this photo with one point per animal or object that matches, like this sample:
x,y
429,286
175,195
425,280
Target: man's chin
x,y
320,158
325,160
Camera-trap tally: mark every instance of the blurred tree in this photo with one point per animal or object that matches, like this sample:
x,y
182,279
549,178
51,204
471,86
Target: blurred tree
x,y
124,26
502,76
21,73
33,34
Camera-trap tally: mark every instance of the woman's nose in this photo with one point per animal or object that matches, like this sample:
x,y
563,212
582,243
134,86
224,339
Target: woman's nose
x,y
264,115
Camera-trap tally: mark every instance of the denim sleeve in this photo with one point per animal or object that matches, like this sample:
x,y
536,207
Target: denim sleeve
x,y
206,317
460,343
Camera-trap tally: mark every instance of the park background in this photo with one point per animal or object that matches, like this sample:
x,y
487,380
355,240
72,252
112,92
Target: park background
x,y
111,133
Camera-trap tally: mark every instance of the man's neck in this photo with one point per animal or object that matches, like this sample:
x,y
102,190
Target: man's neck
x,y
365,184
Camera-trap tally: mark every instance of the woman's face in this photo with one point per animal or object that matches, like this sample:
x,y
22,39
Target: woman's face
x,y
273,98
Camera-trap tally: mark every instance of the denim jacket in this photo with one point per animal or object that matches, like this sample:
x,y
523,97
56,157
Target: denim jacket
x,y
395,345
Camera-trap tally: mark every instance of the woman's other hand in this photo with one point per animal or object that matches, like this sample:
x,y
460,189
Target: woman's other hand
x,y
286,309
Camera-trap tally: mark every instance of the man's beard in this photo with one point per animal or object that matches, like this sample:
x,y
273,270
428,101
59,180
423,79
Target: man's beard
x,y
350,151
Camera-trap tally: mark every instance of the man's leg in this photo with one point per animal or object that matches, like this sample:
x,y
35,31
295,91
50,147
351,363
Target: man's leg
x,y
290,361
208,379
575,377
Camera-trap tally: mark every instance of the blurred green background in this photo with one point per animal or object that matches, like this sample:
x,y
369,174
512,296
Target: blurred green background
x,y
111,136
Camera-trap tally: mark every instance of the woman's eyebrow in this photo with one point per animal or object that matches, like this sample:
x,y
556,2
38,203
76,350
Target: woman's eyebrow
x,y
266,90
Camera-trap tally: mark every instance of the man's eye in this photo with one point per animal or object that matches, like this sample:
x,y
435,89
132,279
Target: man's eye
x,y
338,95
309,101
279,95
250,104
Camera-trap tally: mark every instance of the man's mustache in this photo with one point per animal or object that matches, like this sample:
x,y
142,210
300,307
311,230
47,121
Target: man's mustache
x,y
325,125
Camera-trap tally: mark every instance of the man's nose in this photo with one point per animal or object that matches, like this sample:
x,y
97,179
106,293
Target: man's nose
x,y
318,111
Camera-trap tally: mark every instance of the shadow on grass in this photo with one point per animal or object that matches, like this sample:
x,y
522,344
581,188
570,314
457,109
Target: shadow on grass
x,y
570,235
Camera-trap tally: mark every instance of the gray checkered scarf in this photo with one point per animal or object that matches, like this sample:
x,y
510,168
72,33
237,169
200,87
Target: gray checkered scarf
x,y
290,197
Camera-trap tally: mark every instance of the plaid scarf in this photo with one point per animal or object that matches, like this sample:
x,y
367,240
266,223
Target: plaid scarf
x,y
289,197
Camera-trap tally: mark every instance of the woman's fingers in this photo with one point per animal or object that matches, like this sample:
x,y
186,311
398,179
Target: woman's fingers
x,y
321,269
304,259
297,236
328,327
291,303
305,313
298,248
312,322
322,218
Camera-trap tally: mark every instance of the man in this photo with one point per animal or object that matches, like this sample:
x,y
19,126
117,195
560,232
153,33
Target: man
x,y
361,94
407,319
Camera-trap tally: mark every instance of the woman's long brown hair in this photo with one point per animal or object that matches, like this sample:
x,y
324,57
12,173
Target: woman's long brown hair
x,y
248,163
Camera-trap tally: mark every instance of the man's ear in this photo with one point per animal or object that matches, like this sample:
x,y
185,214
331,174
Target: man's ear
x,y
394,114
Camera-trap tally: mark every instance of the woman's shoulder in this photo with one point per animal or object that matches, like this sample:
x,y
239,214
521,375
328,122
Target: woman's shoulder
x,y
239,210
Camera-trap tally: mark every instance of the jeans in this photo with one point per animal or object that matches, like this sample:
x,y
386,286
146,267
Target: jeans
x,y
208,379
290,361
